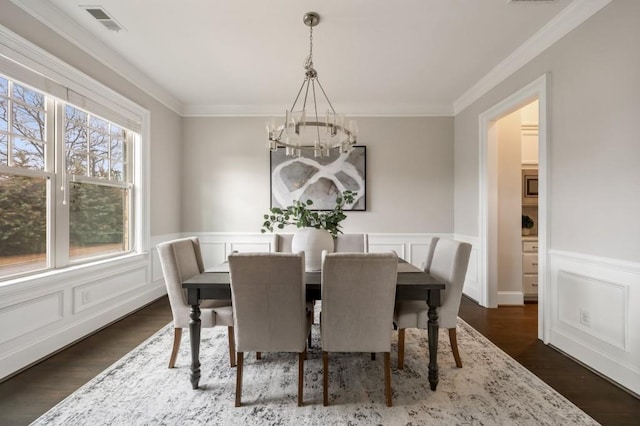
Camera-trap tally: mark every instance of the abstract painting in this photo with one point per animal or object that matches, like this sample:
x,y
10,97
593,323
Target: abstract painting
x,y
318,179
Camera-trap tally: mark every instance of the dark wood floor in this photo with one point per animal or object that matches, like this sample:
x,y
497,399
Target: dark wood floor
x,y
514,329
31,393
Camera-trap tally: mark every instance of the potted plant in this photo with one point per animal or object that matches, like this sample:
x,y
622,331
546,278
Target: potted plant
x,y
527,224
318,228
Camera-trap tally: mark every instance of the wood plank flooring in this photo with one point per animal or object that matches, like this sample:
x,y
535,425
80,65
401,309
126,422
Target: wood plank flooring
x,y
514,329
26,396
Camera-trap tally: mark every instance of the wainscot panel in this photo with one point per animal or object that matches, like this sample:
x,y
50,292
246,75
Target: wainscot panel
x,y
591,317
45,312
30,315
103,289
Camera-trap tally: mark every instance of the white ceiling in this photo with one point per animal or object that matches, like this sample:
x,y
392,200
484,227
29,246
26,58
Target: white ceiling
x,y
245,57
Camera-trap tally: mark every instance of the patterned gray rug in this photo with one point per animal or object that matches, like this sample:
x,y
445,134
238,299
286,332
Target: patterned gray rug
x,y
491,388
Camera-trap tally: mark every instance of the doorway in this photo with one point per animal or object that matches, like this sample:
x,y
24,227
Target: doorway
x,y
489,197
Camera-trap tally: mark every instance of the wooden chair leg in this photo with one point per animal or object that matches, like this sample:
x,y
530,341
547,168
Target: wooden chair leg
x,y
373,356
387,377
453,339
258,355
325,378
310,323
177,337
401,348
239,378
301,358
232,346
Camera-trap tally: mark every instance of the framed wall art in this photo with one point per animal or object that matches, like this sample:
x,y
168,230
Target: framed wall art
x,y
318,179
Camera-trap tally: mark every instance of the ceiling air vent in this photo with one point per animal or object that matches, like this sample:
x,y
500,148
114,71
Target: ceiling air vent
x,y
103,17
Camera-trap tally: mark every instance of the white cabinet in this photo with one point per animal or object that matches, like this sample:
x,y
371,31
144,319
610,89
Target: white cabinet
x,y
530,269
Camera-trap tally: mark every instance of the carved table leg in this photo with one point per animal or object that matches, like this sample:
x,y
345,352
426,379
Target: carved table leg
x,y
194,335
432,330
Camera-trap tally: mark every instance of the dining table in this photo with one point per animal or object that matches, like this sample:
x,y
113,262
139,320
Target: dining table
x,y
412,284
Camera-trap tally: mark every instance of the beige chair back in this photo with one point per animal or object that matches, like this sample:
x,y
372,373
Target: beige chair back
x,y
181,259
283,243
358,293
354,243
268,298
449,264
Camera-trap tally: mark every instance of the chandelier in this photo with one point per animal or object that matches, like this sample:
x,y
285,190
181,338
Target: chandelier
x,y
304,130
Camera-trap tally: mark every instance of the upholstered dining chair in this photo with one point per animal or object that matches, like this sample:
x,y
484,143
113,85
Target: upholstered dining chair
x,y
181,259
283,243
358,292
268,294
448,261
353,243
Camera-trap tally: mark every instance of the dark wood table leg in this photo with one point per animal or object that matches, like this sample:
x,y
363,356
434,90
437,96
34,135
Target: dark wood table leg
x,y
432,329
194,335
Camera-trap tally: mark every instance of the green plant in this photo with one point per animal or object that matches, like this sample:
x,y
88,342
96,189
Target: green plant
x,y
300,215
527,222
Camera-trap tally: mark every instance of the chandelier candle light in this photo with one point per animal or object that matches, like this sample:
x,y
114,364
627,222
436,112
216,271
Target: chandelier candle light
x,y
296,133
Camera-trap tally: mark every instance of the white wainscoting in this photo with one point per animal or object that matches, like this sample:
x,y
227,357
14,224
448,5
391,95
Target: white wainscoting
x,y
594,315
411,247
44,313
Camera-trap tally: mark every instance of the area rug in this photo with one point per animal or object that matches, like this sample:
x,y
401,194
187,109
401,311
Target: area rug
x,y
491,388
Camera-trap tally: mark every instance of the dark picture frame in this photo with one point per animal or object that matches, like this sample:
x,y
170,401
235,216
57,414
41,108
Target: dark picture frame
x,y
318,179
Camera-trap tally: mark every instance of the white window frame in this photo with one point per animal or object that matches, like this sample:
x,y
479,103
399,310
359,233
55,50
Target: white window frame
x,y
27,63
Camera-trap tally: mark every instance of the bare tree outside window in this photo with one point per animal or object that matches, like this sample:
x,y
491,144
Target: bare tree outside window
x,y
96,179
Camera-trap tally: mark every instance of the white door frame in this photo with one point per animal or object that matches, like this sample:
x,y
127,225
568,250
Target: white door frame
x,y
488,197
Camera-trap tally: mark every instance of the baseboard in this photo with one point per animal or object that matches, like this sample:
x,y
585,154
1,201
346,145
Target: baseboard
x,y
510,298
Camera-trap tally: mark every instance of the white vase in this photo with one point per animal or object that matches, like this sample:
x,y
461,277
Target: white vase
x,y
312,242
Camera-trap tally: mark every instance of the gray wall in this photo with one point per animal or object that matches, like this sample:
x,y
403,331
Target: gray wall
x,y
409,175
594,152
165,124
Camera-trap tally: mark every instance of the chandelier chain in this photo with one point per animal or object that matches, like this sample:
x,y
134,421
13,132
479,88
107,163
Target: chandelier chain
x,y
309,61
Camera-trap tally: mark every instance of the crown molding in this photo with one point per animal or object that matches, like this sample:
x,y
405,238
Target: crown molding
x,y
56,20
568,19
351,110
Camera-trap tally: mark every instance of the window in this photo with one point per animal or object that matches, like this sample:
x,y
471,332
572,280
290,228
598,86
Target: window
x,y
66,178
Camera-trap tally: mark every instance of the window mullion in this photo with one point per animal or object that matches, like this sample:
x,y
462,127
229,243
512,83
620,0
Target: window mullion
x,y
9,123
61,190
52,184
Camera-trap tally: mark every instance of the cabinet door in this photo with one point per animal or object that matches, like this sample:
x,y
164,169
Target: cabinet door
x,y
530,246
530,285
530,263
